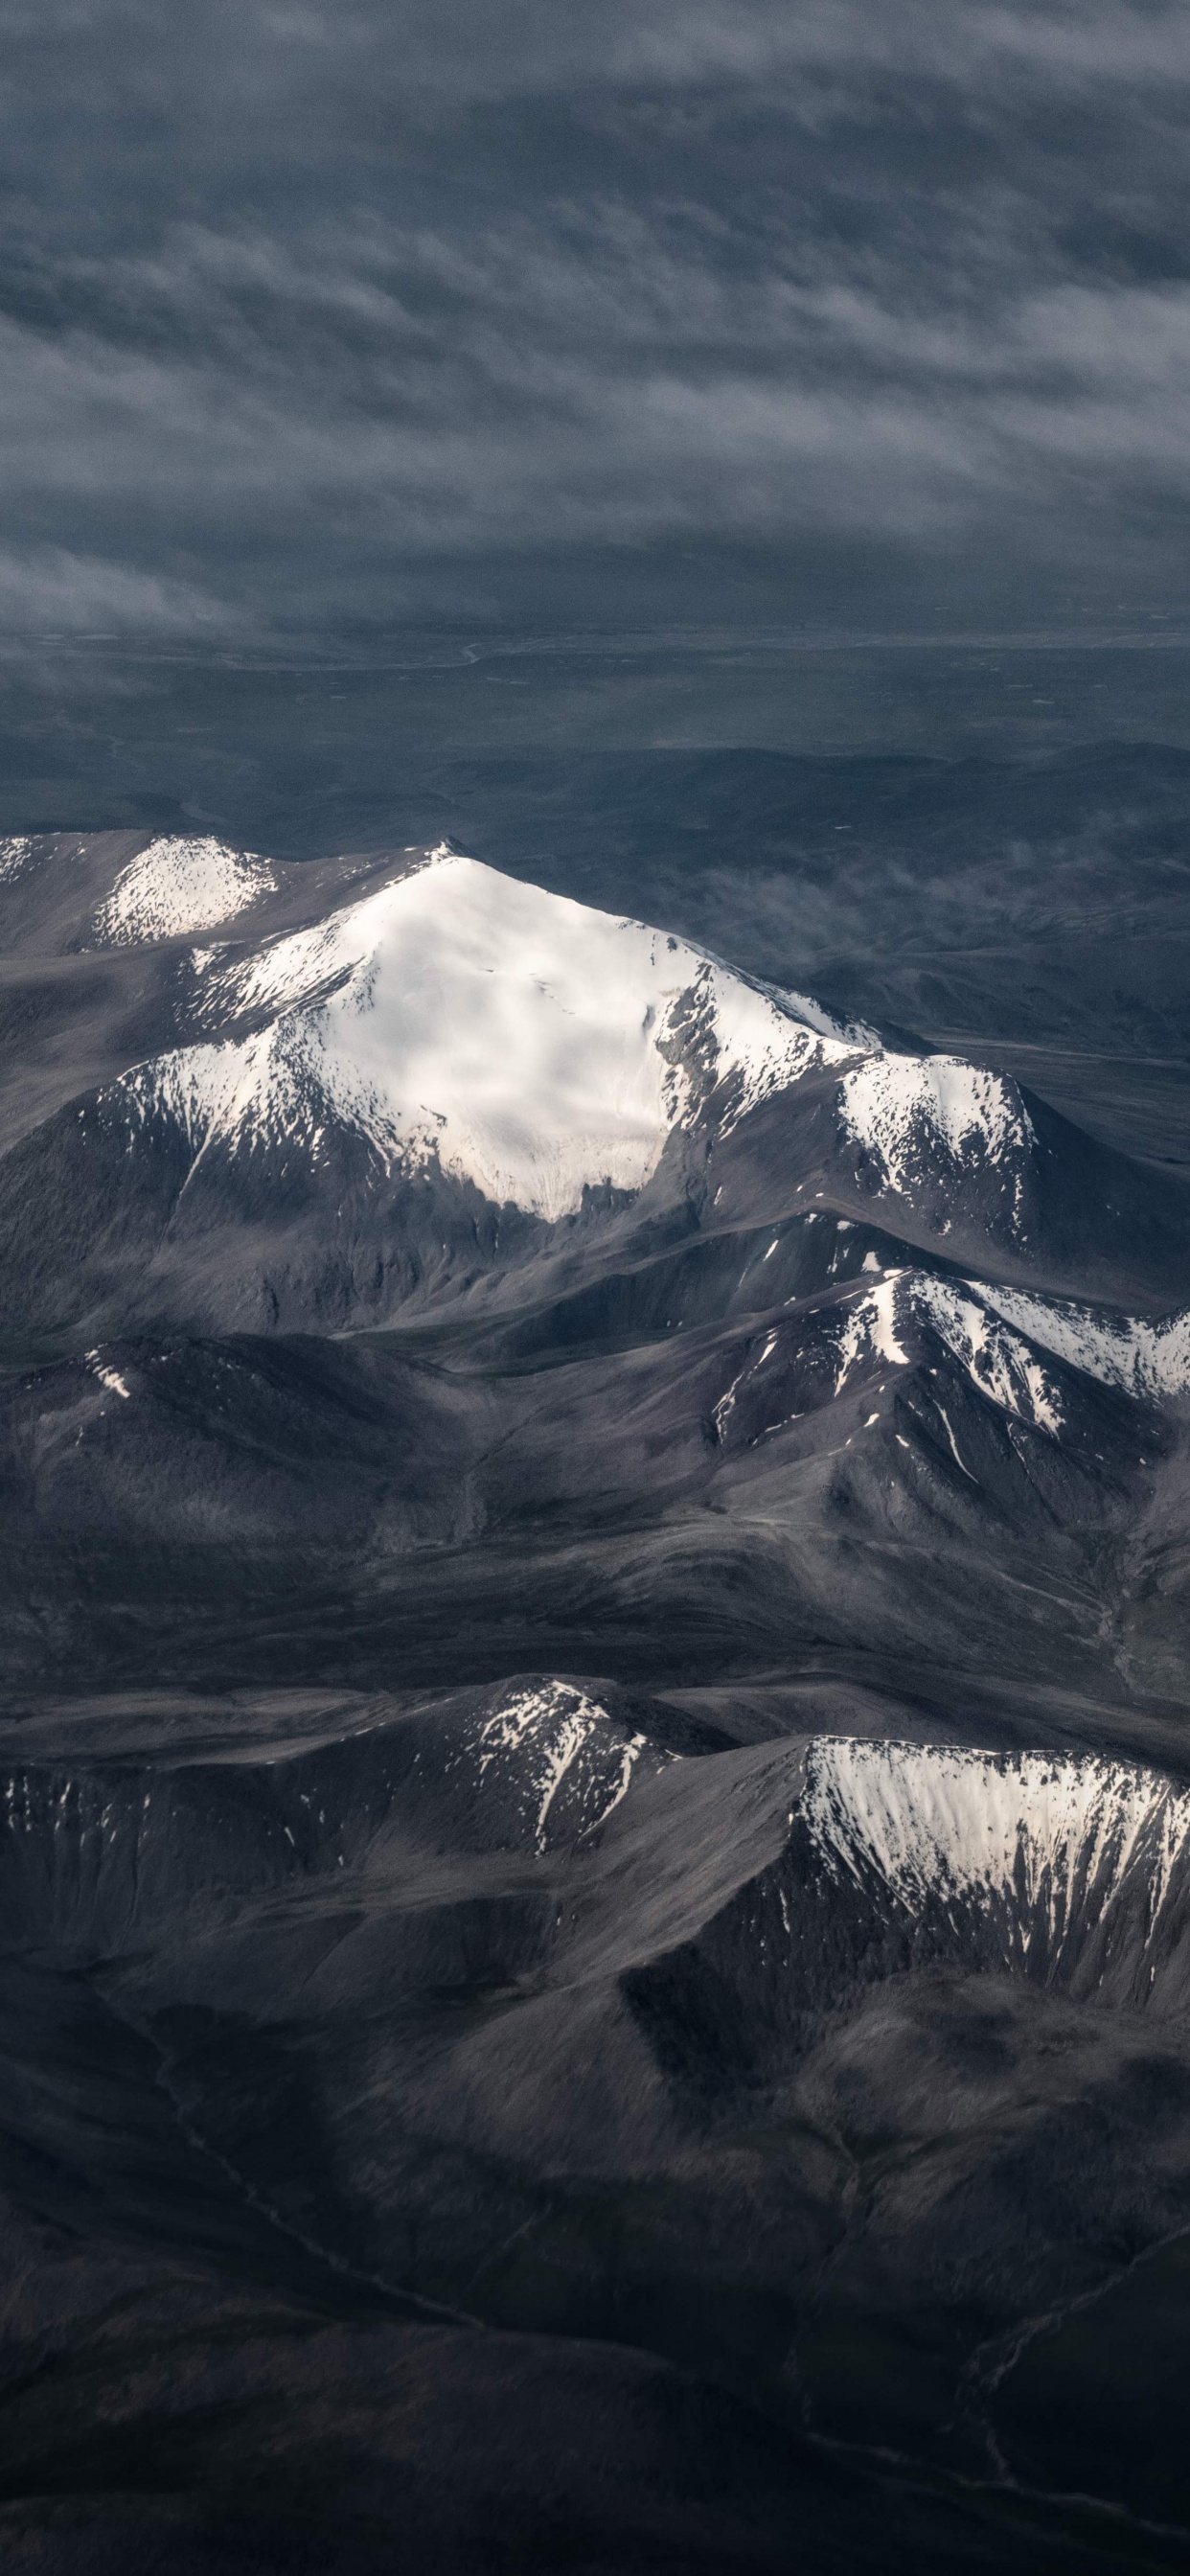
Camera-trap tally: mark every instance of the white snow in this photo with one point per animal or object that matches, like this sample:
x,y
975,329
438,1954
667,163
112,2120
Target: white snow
x,y
522,1041
1004,1337
525,1042
999,1361
870,1330
556,1746
178,885
1001,1364
725,1407
914,1113
944,1418
1044,1835
15,852
108,1377
1123,1351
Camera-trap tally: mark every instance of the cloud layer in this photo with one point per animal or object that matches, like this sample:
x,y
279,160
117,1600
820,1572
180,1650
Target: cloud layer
x,y
319,315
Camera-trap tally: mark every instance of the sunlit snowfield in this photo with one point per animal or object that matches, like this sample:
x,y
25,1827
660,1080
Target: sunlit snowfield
x,y
982,838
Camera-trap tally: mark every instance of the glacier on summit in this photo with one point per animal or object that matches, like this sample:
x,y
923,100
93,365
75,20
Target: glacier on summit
x,y
535,1047
521,1040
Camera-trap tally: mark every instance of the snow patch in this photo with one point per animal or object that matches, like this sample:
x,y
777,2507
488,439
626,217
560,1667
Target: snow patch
x,y
1042,1838
568,1761
15,853
999,1362
914,1114
1124,1351
108,1377
944,1418
723,1410
178,885
870,1330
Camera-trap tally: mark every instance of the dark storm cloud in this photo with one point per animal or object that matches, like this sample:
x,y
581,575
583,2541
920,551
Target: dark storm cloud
x,y
320,314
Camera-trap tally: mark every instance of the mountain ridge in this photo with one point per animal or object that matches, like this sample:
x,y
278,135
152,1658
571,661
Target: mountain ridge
x,y
595,1737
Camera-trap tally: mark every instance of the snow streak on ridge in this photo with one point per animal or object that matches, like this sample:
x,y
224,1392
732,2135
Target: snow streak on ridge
x,y
1000,1362
1123,1351
1004,1337
566,1760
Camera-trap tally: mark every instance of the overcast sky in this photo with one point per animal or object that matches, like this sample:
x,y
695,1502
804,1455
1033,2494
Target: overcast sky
x,y
587,311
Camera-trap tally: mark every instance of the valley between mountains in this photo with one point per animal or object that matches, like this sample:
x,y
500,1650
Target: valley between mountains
x,y
595,1767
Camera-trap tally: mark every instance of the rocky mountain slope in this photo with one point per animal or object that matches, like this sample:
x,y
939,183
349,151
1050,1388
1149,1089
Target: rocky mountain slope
x,y
593,1777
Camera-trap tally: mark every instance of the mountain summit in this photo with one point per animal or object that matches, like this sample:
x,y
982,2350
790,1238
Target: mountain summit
x,y
445,1084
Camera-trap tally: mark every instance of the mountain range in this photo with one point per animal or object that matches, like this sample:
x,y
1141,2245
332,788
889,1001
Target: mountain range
x,y
593,1625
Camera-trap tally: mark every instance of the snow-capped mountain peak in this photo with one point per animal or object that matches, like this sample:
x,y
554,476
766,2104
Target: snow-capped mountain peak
x,y
1129,1352
1002,1364
520,1040
1057,1859
513,1038
178,885
911,1113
